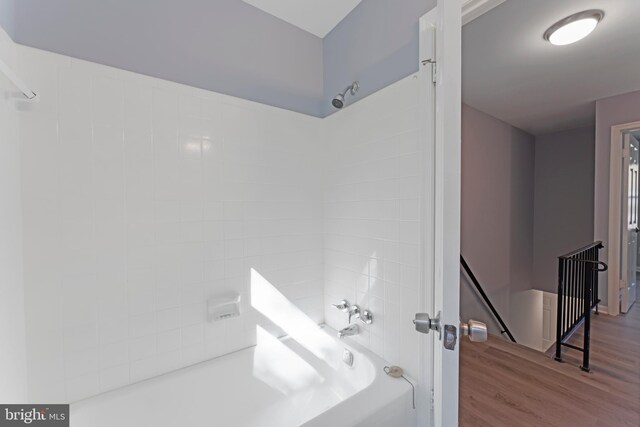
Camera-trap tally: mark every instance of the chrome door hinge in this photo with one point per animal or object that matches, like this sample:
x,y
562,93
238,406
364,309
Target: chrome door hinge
x,y
434,69
433,400
427,52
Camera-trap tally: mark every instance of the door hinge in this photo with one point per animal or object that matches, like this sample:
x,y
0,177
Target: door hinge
x,y
433,400
434,69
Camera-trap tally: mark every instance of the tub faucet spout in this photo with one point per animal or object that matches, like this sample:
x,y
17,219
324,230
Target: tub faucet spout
x,y
348,331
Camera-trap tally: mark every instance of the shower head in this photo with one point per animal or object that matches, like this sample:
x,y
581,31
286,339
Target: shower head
x,y
338,100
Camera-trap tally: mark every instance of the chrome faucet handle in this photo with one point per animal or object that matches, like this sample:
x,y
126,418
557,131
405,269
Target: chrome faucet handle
x,y
354,311
343,306
366,317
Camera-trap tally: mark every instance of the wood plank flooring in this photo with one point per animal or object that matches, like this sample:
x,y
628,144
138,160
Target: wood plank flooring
x,y
506,384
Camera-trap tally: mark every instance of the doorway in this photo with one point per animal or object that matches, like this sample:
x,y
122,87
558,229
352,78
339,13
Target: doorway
x,y
624,213
629,221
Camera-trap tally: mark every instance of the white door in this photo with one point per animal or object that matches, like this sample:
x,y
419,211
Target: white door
x,y
440,75
629,240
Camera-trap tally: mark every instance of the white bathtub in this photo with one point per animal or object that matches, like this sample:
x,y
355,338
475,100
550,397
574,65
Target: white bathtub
x,y
277,383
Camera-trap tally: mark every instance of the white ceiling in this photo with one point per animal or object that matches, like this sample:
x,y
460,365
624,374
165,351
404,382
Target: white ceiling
x,y
318,17
512,73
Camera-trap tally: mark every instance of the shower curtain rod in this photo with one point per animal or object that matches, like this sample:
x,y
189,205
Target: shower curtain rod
x,y
17,81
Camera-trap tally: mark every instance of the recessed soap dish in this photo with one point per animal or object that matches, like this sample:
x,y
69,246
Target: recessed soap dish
x,y
223,308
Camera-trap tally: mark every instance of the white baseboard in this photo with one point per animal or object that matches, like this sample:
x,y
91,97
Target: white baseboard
x,y
604,309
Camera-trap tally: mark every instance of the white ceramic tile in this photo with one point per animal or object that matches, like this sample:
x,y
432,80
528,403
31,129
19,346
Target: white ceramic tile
x,y
108,102
81,362
16,353
168,319
113,327
82,387
192,335
142,348
137,107
115,354
372,211
142,369
170,361
114,377
165,199
142,325
190,105
169,341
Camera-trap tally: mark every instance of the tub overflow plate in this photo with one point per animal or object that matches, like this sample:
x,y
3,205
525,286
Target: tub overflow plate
x,y
395,371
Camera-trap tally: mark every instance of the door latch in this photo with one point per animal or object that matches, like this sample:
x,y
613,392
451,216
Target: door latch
x,y
450,337
476,331
425,324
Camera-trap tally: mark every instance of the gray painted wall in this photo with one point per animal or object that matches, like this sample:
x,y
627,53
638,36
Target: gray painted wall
x,y
7,16
229,46
376,44
609,111
563,214
497,211
225,46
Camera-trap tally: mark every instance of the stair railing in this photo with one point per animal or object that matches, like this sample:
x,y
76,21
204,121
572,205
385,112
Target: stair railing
x,y
577,297
487,301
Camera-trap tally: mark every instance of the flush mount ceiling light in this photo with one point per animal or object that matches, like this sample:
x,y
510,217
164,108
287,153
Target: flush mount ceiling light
x,y
573,28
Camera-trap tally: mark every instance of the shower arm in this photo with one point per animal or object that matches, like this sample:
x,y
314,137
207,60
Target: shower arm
x,y
353,88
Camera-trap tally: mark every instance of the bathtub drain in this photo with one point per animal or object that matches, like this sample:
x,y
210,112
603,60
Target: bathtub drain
x,y
398,372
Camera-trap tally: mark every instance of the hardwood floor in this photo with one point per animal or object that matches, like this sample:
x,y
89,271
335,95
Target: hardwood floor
x,y
506,384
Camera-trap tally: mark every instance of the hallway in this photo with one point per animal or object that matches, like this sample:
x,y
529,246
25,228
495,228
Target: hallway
x,y
505,384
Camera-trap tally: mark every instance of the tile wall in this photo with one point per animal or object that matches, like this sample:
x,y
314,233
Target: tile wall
x,y
13,384
141,200
371,223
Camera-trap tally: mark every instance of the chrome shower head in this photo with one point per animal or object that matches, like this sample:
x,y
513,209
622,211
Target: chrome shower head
x,y
338,100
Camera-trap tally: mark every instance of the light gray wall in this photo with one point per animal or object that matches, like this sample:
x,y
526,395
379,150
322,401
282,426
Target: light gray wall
x,y
609,111
376,44
230,47
7,16
563,214
225,46
497,211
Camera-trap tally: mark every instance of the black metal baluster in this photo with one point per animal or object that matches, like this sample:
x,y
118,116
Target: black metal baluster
x,y
567,294
587,325
577,296
574,285
560,315
564,299
581,294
